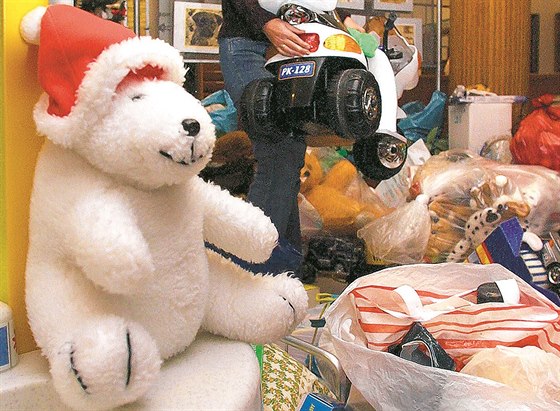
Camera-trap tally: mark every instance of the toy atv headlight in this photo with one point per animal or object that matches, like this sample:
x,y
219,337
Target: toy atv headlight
x,y
342,42
295,14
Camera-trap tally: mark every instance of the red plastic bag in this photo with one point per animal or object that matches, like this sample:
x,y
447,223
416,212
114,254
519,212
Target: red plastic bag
x,y
537,141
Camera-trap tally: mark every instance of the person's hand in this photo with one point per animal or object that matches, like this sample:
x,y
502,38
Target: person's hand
x,y
284,37
351,24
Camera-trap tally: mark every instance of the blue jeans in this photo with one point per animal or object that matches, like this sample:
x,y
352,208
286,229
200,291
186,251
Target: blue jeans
x,y
276,182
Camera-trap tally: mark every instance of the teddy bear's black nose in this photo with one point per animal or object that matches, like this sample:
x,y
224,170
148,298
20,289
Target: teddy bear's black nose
x,y
192,127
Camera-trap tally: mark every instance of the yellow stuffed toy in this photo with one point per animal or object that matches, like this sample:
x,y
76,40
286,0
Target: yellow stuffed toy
x,y
340,196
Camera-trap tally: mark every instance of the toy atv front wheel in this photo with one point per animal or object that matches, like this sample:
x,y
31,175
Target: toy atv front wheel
x,y
379,157
354,104
257,115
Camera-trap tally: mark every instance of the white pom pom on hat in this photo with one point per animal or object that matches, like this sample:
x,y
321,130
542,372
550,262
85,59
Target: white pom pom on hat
x,y
30,26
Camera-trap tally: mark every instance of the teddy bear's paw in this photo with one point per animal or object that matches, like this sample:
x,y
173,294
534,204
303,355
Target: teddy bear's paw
x,y
108,363
291,305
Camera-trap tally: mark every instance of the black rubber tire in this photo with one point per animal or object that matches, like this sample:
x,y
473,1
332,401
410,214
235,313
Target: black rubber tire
x,y
354,104
368,156
257,116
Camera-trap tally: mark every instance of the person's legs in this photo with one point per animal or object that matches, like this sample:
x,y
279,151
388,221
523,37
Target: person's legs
x,y
241,61
276,184
276,181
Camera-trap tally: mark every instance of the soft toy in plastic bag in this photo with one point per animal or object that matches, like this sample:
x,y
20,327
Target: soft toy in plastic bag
x,y
538,139
339,195
462,187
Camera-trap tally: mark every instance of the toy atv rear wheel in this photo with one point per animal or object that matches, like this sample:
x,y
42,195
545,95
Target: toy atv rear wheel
x,y
379,157
354,104
257,115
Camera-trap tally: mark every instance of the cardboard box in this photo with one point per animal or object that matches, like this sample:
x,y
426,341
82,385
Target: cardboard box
x,y
503,246
473,124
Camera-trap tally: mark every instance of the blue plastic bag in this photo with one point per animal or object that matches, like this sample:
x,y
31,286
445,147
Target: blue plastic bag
x,y
224,119
420,121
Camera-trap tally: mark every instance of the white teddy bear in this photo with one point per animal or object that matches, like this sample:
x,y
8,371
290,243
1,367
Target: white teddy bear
x,y
118,277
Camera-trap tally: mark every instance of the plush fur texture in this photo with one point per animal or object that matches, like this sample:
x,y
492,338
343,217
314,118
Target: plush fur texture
x,y
118,277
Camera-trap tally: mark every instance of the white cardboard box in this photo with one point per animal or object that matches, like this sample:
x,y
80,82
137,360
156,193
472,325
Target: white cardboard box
x,y
473,124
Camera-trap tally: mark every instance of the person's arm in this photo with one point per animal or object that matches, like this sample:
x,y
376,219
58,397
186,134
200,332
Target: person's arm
x,y
348,21
282,35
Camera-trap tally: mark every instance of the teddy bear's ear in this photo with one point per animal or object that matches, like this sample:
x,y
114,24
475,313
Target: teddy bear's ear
x,y
30,26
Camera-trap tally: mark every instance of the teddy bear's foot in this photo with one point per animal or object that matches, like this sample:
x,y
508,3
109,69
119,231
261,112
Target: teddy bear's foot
x,y
254,308
107,363
293,296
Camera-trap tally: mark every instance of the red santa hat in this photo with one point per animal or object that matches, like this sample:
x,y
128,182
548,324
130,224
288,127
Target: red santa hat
x,y
82,60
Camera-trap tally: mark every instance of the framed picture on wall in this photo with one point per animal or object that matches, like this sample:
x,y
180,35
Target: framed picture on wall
x,y
411,30
392,5
196,27
351,4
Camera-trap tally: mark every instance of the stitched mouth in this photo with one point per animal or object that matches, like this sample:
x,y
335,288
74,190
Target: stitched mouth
x,y
170,157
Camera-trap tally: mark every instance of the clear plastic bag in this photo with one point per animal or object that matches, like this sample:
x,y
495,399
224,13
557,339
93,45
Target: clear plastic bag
x,y
389,382
402,236
334,197
527,369
461,184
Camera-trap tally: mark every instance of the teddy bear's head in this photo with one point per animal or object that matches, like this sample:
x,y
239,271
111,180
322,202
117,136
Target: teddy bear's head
x,y
116,99
311,173
155,134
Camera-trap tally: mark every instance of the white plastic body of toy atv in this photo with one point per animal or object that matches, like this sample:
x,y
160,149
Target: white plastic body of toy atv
x,y
334,88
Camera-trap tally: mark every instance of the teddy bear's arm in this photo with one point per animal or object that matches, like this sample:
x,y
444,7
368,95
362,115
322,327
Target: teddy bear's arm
x,y
104,240
237,226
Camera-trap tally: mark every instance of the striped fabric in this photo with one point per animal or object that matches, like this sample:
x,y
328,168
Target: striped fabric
x,y
461,326
535,266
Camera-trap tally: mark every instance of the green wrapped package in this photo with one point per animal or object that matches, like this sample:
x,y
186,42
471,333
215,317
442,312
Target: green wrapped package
x,y
367,42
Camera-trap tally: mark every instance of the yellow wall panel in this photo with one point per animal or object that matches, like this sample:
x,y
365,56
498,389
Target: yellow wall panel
x,y
19,90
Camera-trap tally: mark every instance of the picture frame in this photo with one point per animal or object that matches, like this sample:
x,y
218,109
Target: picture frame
x,y
411,30
393,5
196,27
351,4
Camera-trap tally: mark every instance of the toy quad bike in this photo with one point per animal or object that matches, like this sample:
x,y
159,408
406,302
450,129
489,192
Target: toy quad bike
x,y
335,89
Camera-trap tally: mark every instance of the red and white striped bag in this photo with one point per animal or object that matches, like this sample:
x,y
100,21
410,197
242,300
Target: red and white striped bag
x,y
377,310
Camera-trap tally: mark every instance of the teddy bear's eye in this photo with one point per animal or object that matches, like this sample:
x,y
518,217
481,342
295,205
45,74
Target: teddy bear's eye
x,y
137,97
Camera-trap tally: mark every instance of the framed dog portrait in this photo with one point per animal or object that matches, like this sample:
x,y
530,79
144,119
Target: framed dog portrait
x,y
393,5
196,27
